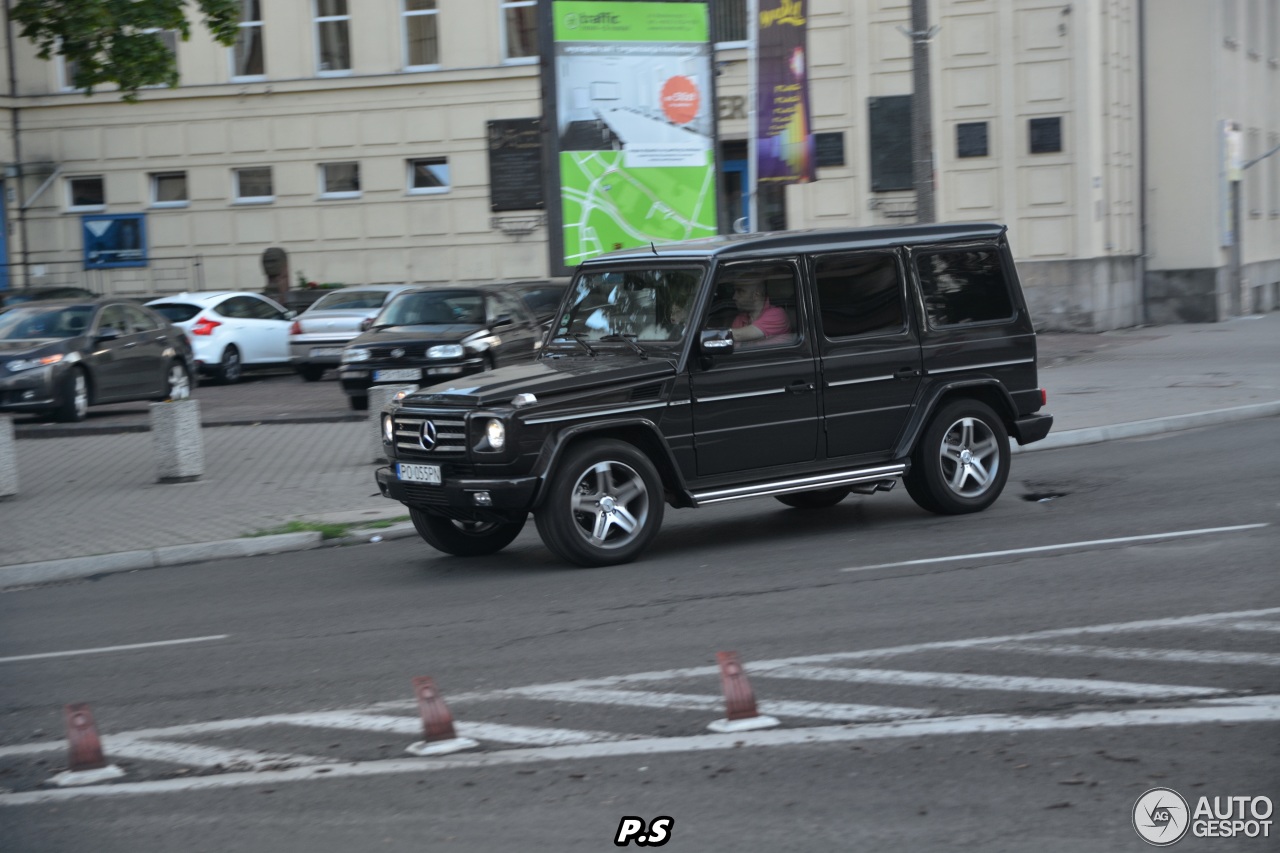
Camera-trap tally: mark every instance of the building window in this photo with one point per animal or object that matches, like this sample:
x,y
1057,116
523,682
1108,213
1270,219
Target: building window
x,y
168,189
67,74
248,62
86,192
421,38
971,139
889,125
339,180
428,175
1045,135
520,30
253,185
729,22
333,37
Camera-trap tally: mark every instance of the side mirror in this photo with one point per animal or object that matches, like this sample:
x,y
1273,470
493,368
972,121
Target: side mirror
x,y
715,342
502,320
110,333
366,324
289,315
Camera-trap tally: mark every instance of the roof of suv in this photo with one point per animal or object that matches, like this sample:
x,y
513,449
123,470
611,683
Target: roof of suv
x,y
773,242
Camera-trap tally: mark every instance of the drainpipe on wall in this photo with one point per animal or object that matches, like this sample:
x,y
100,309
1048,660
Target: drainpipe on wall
x,y
15,121
1145,313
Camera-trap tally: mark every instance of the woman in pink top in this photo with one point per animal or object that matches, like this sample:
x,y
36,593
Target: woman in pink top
x,y
758,318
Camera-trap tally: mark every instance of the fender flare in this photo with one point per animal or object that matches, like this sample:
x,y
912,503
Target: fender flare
x,y
989,389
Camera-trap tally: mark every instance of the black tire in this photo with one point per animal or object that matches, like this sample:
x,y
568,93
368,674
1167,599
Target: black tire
x,y
816,499
359,403
311,372
73,397
230,368
178,382
961,462
603,505
464,538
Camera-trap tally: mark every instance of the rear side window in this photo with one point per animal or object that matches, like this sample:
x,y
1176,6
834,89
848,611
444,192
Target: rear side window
x,y
964,286
859,295
176,312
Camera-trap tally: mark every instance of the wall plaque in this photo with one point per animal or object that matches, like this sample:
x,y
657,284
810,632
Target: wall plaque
x,y
515,164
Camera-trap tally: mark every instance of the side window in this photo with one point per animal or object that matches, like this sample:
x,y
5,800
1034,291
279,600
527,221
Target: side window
x,y
236,306
500,304
113,317
261,309
139,321
859,295
964,286
758,301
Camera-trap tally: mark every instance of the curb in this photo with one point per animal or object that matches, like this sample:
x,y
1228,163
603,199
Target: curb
x,y
28,574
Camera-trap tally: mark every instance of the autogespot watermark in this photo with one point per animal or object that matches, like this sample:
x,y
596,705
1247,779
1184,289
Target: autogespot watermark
x,y
1161,817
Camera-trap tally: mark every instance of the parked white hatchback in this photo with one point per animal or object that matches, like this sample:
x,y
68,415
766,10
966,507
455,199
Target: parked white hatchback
x,y
230,330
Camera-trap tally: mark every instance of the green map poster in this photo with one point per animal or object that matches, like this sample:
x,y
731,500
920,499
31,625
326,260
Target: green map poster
x,y
634,131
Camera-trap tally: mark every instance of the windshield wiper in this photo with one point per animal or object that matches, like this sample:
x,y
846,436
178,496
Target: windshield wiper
x,y
628,340
581,338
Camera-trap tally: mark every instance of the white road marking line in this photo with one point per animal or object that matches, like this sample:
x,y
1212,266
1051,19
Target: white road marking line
x,y
1250,626
971,681
412,726
1093,543
716,704
1259,709
1164,655
196,755
104,649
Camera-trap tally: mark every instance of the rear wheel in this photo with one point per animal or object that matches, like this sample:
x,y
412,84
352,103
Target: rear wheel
x,y
311,372
73,403
604,505
961,462
816,499
464,538
230,367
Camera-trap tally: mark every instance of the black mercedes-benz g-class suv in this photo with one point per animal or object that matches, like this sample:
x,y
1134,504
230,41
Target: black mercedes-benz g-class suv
x,y
799,365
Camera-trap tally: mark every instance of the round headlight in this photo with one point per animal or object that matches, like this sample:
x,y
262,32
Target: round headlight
x,y
388,429
496,432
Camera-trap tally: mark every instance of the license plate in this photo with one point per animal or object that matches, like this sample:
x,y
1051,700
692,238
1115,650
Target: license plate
x,y
418,473
326,352
397,375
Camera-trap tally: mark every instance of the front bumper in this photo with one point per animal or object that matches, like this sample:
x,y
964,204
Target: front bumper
x,y
457,497
34,390
1031,428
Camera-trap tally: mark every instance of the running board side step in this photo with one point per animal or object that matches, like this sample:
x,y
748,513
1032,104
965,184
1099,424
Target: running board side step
x,y
880,478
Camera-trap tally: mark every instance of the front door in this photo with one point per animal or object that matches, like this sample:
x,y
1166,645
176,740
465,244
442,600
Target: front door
x,y
756,409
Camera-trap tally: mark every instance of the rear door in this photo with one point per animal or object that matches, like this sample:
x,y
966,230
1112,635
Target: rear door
x,y
147,360
756,408
869,352
258,329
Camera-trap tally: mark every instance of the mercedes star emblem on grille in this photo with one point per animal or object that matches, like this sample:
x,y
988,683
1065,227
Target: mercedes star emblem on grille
x,y
428,436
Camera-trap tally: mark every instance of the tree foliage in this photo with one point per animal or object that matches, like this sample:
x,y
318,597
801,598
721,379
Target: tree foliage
x,y
115,41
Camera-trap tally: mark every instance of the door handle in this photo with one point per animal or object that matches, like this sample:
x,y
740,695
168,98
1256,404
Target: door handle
x,y
800,386
906,373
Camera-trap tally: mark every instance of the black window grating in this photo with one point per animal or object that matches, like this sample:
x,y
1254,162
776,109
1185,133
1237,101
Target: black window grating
x,y
646,392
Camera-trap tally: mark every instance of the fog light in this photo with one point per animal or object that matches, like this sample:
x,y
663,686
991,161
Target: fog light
x,y
388,429
496,432
482,498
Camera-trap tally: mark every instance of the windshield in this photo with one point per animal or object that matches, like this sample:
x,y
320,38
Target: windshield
x,y
647,305
351,299
438,308
30,322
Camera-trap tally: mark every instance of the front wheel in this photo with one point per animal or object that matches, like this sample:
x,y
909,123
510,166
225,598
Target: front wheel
x,y
961,462
464,538
73,403
603,506
816,498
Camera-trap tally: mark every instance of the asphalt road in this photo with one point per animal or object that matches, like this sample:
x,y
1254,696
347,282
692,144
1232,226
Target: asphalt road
x,y
993,682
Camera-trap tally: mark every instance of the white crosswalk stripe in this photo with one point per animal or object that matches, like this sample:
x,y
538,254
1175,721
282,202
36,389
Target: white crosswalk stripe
x,y
196,755
412,726
1212,658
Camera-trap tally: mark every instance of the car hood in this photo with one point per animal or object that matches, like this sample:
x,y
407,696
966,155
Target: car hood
x,y
29,347
546,378
451,333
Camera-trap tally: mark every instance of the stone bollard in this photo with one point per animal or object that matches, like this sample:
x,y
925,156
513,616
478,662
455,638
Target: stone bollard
x,y
379,396
8,460
177,441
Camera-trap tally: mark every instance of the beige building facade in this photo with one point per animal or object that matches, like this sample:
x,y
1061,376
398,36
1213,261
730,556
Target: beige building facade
x,y
354,136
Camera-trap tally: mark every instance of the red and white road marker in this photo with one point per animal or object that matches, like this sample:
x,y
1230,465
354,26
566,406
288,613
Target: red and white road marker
x,y
86,764
438,735
741,714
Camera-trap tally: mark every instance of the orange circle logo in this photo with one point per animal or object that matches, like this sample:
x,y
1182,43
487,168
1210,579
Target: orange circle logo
x,y
680,99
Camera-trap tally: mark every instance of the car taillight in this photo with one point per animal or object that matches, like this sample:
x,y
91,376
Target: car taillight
x,y
1044,397
204,326
296,328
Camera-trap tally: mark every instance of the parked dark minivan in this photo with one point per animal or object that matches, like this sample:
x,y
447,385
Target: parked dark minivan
x,y
802,366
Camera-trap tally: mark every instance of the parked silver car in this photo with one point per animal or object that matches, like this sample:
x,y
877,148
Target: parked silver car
x,y
319,334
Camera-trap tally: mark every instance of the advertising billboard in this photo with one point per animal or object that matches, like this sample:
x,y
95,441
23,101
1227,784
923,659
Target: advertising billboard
x,y
630,106
784,136
114,240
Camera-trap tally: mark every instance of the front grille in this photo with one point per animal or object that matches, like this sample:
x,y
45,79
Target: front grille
x,y
415,352
450,434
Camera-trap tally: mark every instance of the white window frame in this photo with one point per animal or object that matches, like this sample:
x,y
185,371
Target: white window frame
x,y
322,178
153,181
231,51
411,167
65,74
239,198
317,20
173,49
505,6
405,15
85,208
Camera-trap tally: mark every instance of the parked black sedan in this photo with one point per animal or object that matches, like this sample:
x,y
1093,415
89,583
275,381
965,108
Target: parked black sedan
x,y
431,334
59,358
